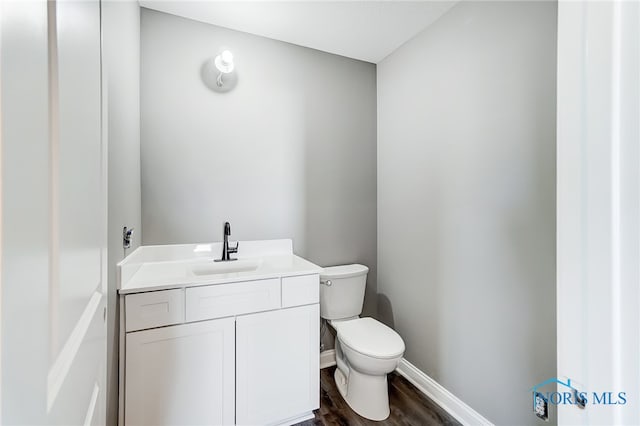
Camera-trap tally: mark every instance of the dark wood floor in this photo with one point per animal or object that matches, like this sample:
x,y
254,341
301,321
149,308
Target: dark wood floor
x,y
408,406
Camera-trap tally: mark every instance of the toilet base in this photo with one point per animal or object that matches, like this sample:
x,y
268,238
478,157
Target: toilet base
x,y
367,395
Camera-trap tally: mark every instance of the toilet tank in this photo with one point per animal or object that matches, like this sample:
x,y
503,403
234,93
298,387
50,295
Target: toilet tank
x,y
344,297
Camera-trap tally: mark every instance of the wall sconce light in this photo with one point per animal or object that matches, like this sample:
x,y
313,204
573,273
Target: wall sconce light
x,y
218,73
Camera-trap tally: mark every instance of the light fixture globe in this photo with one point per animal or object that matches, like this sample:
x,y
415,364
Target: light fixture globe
x,y
218,72
224,62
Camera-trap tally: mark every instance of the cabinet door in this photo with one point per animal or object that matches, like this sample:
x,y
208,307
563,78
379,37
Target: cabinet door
x,y
181,375
277,361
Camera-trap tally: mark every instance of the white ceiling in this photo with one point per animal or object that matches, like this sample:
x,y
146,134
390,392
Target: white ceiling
x,y
365,30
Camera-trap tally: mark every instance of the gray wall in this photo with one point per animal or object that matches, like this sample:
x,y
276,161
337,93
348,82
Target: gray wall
x,y
466,202
121,74
289,153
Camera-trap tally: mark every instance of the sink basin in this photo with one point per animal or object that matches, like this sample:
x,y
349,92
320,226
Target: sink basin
x,y
215,268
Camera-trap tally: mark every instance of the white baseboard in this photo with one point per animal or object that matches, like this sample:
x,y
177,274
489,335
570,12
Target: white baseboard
x,y
327,358
445,399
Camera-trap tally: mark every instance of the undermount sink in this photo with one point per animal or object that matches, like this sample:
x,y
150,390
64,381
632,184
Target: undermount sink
x,y
215,268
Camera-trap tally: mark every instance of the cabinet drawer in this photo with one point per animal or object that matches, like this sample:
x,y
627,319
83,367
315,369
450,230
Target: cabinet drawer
x,y
154,309
303,290
223,300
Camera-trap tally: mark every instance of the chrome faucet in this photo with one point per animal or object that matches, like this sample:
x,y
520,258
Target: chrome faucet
x,y
226,250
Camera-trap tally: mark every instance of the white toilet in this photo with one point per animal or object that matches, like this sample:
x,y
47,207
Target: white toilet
x,y
366,350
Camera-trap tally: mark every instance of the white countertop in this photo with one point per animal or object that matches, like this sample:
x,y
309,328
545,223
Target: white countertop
x,y
151,268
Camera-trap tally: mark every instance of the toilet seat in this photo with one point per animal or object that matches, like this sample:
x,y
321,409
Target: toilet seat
x,y
370,338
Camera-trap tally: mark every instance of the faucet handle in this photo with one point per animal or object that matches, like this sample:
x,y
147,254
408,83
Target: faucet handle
x,y
233,249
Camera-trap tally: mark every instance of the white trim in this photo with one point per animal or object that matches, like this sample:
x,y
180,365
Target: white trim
x,y
445,399
327,358
121,363
91,409
1,217
60,368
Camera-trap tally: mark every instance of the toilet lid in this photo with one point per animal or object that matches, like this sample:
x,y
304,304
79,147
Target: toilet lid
x,y
370,337
343,271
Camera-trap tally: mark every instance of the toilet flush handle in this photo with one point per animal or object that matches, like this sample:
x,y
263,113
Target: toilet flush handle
x,y
327,283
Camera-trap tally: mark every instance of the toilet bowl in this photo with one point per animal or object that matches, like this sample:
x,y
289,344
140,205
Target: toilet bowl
x,y
366,349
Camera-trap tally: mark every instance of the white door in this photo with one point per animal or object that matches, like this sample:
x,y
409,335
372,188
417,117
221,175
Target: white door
x,y
277,365
53,214
598,196
181,375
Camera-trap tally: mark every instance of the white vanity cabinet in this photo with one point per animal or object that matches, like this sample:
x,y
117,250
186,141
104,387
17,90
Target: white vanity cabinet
x,y
181,375
231,353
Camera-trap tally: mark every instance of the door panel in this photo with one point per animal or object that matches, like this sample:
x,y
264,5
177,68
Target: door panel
x,y
54,213
598,206
84,380
25,211
78,172
78,202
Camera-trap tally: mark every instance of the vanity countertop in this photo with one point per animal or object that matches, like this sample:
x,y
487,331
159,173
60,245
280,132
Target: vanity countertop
x,y
151,268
